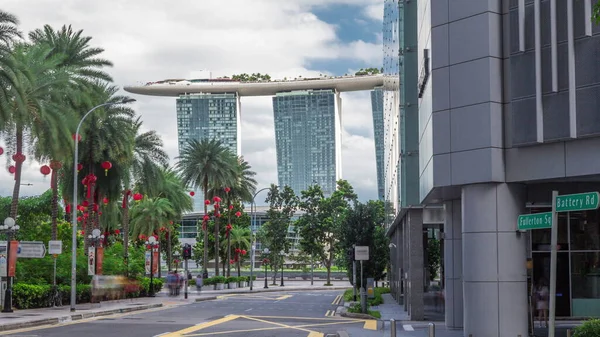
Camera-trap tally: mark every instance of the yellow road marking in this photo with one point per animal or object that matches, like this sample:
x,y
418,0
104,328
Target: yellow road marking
x,y
277,324
327,313
201,326
263,297
370,324
233,331
283,297
312,318
315,334
338,300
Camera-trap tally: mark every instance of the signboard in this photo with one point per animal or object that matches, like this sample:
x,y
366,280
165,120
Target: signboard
x,y
577,202
91,261
147,262
361,253
534,221
371,287
12,258
99,260
54,247
31,249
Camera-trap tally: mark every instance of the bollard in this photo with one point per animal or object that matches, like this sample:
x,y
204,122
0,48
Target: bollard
x,y
431,330
392,327
569,333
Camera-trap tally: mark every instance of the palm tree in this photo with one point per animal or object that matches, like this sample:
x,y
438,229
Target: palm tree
x,y
206,164
239,238
81,62
8,29
143,171
32,111
148,215
8,32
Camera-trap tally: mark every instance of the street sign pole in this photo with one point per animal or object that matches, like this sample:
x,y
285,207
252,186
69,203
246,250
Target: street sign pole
x,y
553,258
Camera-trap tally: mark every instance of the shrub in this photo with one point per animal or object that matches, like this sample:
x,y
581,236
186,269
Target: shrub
x,y
589,328
219,279
157,284
28,296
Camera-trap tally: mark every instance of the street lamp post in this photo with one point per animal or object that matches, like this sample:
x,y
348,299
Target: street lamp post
x,y
152,243
282,257
96,238
74,213
265,260
253,230
9,228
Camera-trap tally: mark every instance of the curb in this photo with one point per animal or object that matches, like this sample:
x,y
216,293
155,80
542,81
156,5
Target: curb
x,y
357,315
75,317
202,299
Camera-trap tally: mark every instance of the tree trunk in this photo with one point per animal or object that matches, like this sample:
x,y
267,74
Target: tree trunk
x,y
54,186
328,265
125,207
217,245
169,250
205,243
239,269
229,254
18,165
224,266
90,220
158,262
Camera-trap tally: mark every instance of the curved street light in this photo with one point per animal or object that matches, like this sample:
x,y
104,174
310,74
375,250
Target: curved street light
x,y
253,248
10,228
74,212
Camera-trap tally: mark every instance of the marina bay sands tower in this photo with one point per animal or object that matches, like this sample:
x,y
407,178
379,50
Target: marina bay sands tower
x,y
307,115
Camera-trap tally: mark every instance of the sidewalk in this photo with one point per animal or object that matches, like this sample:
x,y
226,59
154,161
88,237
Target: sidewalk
x,y
47,316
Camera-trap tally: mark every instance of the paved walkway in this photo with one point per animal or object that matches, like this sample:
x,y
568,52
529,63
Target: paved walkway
x,y
45,316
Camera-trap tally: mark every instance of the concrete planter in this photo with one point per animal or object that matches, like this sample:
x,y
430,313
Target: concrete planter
x,y
219,286
232,285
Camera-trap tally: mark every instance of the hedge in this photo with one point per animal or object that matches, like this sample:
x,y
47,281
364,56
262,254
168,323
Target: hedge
x,y
28,296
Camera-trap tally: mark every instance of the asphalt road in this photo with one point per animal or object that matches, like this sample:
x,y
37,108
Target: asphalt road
x,y
290,314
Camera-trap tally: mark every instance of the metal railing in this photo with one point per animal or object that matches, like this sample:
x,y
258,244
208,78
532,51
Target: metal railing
x,y
430,330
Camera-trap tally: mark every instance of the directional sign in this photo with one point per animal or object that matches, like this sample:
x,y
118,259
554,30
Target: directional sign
x,y
534,221
54,247
577,202
361,253
31,249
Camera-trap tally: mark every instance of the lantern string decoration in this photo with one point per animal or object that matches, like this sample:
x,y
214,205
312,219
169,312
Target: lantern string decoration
x,y
18,157
192,193
45,170
207,202
227,189
12,169
106,165
79,167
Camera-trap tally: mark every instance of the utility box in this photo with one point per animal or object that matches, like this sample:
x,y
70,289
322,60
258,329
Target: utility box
x,y
370,287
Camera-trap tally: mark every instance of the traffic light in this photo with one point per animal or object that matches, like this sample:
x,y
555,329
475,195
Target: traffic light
x,y
187,251
350,254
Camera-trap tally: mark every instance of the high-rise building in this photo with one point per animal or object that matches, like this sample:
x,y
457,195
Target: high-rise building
x,y
208,116
378,131
308,149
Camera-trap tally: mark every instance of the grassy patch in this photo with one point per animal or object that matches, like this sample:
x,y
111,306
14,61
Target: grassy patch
x,y
357,310
349,296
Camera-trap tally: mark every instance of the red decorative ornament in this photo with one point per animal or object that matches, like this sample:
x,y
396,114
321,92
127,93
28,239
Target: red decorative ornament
x,y
55,165
95,208
1,151
78,137
85,203
12,169
106,165
231,261
192,193
79,219
82,232
238,214
105,200
117,232
86,215
217,199
230,207
237,250
206,218
80,208
99,213
138,197
207,202
18,157
68,208
243,252
229,227
227,189
45,170
79,167
142,237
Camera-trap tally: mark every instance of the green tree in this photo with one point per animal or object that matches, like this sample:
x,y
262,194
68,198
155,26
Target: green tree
x,y
596,12
149,214
207,164
8,29
282,206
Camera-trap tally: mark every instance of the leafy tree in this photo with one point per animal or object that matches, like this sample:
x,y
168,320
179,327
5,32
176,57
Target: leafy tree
x,y
149,215
368,71
251,78
282,206
8,28
207,164
433,257
596,12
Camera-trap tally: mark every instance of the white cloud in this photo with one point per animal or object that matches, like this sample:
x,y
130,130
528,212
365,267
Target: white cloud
x,y
154,39
375,11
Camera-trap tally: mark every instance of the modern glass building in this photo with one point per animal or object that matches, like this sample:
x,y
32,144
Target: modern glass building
x,y
377,108
305,135
208,116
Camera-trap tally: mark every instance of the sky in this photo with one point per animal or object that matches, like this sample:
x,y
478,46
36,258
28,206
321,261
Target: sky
x,y
149,40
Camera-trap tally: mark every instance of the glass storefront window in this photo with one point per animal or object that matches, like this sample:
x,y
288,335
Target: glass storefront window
x,y
585,284
541,237
585,230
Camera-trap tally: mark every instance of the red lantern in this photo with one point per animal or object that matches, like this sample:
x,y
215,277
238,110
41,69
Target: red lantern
x,y
192,193
85,203
207,202
105,200
95,208
230,206
117,232
79,219
138,196
45,170
99,213
78,137
243,252
231,261
79,167
217,200
237,250
18,157
206,218
55,165
12,169
1,151
106,166
82,232
238,214
227,189
68,208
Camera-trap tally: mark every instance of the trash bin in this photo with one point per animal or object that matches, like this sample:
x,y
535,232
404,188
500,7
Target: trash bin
x,y
199,281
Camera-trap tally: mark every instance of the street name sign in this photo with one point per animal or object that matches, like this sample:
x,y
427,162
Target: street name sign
x,y
534,221
361,253
54,247
577,202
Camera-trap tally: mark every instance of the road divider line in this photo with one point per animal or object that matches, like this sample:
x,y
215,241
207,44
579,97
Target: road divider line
x,y
276,324
310,318
202,326
408,327
315,334
336,300
370,324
